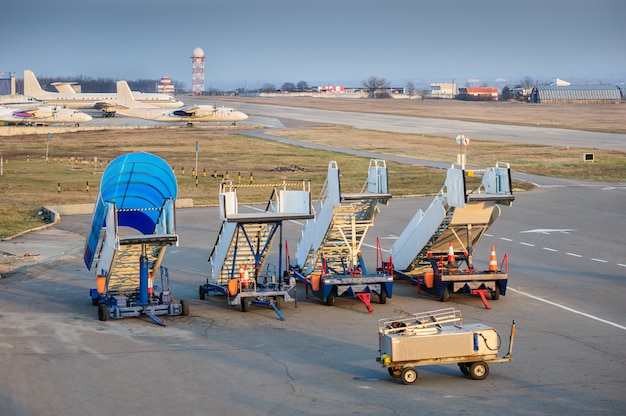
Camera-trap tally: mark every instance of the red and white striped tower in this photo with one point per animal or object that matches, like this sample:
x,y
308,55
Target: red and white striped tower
x,y
197,72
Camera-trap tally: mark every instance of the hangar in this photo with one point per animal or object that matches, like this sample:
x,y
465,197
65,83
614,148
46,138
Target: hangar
x,y
591,94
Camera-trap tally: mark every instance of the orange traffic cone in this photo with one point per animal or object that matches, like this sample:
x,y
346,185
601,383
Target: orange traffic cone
x,y
451,258
493,262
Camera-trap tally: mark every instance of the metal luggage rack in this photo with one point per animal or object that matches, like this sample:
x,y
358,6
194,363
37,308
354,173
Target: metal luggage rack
x,y
421,323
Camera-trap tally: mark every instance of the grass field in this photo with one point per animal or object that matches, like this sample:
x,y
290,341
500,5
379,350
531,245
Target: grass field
x,y
71,173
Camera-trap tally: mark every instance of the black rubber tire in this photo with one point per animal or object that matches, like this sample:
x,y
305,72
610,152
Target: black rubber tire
x,y
103,312
382,296
395,372
245,306
409,375
495,294
201,292
184,306
446,295
479,370
330,299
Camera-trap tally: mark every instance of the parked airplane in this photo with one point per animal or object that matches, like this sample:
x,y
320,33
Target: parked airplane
x,y
128,106
43,115
86,101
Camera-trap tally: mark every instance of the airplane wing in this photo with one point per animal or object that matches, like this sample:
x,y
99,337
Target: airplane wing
x,y
105,106
194,110
33,112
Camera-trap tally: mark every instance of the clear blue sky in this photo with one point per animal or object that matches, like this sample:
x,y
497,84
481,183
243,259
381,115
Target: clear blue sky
x,y
253,42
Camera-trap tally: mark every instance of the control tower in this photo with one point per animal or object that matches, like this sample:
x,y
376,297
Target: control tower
x,y
197,72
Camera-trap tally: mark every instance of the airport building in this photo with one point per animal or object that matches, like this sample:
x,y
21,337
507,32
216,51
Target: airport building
x,y
589,94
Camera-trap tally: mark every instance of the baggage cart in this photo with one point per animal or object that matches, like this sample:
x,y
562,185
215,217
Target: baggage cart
x,y
410,340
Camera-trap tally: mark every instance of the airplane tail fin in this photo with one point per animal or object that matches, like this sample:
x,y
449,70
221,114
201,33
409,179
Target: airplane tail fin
x,y
125,96
31,85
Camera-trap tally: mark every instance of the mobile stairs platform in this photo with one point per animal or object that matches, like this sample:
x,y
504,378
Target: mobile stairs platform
x,y
328,256
132,225
430,250
245,241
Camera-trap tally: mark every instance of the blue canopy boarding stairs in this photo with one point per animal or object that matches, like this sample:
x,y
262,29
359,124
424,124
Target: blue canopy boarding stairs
x,y
328,258
431,248
132,225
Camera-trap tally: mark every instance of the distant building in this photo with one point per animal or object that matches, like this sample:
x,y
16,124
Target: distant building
x,y
442,90
480,93
590,94
331,89
7,83
165,86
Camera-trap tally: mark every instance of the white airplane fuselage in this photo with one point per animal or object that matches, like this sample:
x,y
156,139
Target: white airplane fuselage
x,y
43,115
129,106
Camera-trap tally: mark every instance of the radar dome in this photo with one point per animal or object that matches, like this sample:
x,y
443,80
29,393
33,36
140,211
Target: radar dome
x,y
198,53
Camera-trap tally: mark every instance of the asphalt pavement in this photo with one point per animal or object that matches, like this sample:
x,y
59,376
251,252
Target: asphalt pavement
x,y
566,288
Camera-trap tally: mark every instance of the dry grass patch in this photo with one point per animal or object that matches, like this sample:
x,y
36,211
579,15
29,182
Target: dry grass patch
x,y
564,162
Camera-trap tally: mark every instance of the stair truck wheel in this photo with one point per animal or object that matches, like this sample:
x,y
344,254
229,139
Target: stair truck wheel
x,y
409,375
244,305
330,299
479,370
184,306
495,294
103,312
382,296
201,292
445,296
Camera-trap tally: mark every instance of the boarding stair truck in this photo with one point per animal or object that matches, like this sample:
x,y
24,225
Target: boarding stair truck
x,y
430,250
132,225
328,256
408,340
244,243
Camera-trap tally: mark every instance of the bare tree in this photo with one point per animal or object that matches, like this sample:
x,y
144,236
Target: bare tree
x,y
288,86
410,88
375,86
527,82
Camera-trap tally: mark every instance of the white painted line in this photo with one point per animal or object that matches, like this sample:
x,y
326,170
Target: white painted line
x,y
599,260
569,309
527,244
622,265
573,255
505,239
549,249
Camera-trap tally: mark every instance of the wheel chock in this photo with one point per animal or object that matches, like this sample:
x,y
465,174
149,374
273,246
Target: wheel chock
x,y
365,298
482,293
